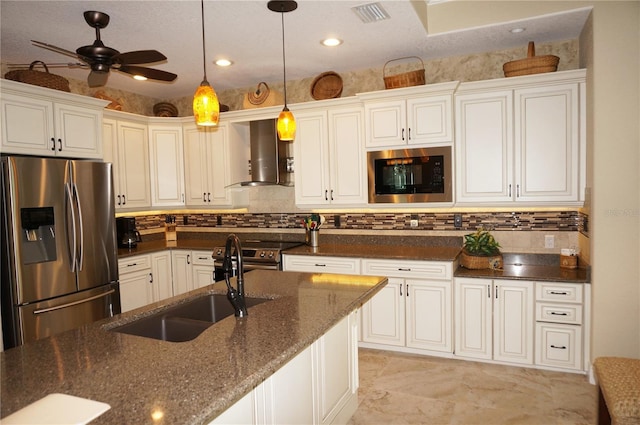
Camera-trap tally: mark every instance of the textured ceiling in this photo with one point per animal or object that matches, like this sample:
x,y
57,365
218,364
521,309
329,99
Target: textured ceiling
x,y
249,34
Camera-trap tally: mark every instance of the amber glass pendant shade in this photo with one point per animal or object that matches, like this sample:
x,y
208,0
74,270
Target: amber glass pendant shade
x,y
286,126
206,108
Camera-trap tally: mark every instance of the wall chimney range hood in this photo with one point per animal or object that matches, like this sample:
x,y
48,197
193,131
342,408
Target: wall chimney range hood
x,y
271,158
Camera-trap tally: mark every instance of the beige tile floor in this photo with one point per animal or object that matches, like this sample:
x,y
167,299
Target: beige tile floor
x,y
397,388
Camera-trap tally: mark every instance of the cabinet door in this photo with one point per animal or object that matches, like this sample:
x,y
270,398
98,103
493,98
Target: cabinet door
x,y
383,316
133,164
161,275
166,164
513,321
27,126
219,166
473,312
110,154
428,315
181,271
78,131
559,345
547,142
484,147
203,268
429,120
135,290
385,123
196,167
347,158
312,184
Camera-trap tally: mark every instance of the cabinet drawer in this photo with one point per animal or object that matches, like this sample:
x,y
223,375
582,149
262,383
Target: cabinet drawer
x,y
408,269
320,264
559,345
202,258
134,264
563,292
559,313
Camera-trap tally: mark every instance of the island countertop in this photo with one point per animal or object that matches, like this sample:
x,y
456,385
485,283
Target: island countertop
x,y
156,382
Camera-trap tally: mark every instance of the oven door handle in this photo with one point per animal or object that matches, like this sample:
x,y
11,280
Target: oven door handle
x,y
250,266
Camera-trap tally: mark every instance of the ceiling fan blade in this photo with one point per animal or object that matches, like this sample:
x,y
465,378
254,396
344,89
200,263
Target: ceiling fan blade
x,y
57,49
140,56
150,73
97,78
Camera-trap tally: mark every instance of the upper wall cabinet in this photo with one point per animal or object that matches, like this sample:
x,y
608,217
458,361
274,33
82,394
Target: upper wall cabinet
x,y
330,157
419,115
166,163
127,147
46,122
520,140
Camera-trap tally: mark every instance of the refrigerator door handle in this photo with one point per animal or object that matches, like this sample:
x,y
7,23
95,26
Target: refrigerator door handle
x,y
76,197
61,306
72,250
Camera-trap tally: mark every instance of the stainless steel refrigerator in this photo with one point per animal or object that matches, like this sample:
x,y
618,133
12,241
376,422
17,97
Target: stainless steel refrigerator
x,y
59,252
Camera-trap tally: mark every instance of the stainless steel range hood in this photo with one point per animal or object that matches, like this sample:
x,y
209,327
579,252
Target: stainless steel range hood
x,y
271,158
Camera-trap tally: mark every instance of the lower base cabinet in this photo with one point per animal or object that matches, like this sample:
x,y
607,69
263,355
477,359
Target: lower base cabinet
x,y
318,386
144,279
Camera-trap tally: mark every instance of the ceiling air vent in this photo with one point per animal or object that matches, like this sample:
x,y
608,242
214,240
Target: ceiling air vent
x,y
372,12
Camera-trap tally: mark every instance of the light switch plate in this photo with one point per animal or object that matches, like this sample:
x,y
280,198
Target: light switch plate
x,y
549,241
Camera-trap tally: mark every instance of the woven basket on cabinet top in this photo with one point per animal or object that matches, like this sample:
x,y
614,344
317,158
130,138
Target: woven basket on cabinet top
x,y
532,64
38,78
327,85
406,79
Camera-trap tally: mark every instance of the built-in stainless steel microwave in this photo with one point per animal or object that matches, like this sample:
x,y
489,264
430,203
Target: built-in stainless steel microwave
x,y
410,175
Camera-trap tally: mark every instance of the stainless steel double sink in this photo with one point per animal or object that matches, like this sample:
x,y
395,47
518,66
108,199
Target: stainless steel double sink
x,y
185,321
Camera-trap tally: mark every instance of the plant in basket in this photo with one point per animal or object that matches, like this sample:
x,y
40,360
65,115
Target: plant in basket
x,y
480,250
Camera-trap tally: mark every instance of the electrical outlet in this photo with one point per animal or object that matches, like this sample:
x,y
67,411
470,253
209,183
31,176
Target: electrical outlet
x,y
549,241
414,223
457,220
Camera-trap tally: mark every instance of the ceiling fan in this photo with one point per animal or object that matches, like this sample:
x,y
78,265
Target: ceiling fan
x,y
101,59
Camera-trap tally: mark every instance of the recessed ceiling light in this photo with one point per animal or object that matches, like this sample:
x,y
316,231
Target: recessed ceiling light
x,y
517,30
331,42
140,77
223,62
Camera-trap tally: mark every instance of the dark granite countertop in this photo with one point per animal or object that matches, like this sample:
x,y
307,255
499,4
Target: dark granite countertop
x,y
188,382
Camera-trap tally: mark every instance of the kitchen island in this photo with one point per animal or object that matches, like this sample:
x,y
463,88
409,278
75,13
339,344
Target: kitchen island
x,y
151,381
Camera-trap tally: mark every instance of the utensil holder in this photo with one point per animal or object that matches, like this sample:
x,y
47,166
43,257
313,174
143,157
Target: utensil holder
x,y
313,238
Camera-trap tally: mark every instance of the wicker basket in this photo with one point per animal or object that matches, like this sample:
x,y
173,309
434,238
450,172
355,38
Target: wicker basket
x,y
263,96
327,85
406,79
38,78
532,64
476,262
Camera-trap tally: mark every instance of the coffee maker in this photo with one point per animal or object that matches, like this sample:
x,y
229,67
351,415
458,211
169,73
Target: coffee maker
x,y
128,235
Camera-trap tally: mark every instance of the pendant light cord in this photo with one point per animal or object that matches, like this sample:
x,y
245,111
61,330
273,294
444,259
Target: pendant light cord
x,y
284,61
204,56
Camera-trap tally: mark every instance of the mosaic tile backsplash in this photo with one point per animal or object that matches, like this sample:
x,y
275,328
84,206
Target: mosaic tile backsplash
x,y
570,221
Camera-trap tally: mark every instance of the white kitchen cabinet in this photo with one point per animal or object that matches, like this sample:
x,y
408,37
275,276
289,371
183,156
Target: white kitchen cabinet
x,y
518,140
45,122
181,271
330,157
317,386
161,278
559,325
136,288
215,158
127,147
420,115
166,164
202,268
320,264
414,310
494,320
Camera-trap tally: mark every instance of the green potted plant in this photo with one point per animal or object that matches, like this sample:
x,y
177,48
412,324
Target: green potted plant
x,y
480,250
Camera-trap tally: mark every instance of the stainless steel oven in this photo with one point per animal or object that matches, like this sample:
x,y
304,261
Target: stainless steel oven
x,y
410,175
256,255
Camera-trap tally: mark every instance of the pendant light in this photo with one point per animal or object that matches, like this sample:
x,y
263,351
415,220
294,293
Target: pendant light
x,y
286,122
206,108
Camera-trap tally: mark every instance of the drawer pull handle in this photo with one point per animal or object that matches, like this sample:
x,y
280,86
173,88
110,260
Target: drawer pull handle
x,y
132,264
320,265
555,313
558,293
400,269
202,258
560,347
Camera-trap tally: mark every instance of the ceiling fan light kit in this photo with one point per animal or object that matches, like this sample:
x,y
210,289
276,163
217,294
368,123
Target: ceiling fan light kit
x,y
206,108
101,59
286,125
